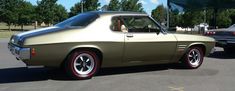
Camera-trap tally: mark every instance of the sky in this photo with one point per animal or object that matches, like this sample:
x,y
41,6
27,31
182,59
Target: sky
x,y
148,5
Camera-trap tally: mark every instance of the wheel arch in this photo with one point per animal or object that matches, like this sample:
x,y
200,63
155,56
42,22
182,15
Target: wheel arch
x,y
201,45
92,48
182,59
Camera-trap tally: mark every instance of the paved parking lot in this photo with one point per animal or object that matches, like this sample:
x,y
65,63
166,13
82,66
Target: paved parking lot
x,y
216,74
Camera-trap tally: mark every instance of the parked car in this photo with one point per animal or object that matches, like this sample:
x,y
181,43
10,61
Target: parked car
x,y
84,43
224,38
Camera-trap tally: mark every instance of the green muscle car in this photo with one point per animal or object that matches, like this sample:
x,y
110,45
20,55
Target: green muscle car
x,y
86,42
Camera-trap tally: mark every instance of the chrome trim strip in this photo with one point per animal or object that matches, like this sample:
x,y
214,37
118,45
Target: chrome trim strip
x,y
182,46
39,66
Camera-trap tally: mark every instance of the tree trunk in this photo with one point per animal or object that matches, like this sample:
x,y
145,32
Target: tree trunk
x,y
22,27
9,26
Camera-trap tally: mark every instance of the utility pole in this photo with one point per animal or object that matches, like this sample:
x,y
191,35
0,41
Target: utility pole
x,y
168,15
82,6
168,18
205,15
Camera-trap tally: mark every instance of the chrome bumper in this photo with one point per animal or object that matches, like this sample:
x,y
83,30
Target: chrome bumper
x,y
20,53
213,50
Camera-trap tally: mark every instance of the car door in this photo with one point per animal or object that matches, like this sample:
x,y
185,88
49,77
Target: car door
x,y
143,44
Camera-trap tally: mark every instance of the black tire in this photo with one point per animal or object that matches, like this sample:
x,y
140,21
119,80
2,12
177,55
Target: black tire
x,y
193,58
82,64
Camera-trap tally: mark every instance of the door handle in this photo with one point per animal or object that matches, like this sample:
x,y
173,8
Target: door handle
x,y
129,35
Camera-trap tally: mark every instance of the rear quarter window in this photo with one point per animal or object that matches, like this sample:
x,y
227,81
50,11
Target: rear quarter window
x,y
79,20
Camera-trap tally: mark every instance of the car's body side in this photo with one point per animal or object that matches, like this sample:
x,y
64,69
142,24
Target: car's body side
x,y
60,44
114,48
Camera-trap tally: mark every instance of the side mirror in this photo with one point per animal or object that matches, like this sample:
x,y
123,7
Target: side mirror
x,y
124,29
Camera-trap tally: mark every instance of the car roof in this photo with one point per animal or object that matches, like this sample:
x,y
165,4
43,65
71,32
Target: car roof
x,y
101,13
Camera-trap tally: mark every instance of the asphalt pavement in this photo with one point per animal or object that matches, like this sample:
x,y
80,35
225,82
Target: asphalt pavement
x,y
216,74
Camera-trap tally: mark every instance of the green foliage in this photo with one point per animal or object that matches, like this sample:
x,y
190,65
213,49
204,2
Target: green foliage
x,y
175,19
9,10
131,5
46,11
232,15
76,9
26,13
91,5
191,18
159,13
60,13
223,19
114,5
50,12
88,5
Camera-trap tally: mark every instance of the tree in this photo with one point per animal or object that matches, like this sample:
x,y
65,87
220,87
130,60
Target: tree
x,y
114,5
232,15
191,18
175,19
26,13
198,17
46,11
91,5
159,13
75,9
131,5
9,11
60,13
88,5
223,19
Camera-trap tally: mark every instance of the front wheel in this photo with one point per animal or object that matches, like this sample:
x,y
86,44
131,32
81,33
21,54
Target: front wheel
x,y
82,64
193,58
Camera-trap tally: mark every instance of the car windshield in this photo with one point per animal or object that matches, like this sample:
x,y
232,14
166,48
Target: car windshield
x,y
80,20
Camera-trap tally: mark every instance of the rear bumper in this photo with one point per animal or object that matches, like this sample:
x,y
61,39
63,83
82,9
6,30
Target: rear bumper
x,y
19,52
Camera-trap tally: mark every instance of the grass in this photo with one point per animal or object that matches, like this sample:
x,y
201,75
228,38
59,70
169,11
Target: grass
x,y
7,34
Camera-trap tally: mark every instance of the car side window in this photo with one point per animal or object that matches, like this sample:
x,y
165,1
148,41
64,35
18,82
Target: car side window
x,y
117,24
140,24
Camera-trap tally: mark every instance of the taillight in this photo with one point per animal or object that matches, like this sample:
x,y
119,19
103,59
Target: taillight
x,y
210,33
33,52
233,33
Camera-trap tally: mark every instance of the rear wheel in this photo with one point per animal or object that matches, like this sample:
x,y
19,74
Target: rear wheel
x,y
193,58
82,64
